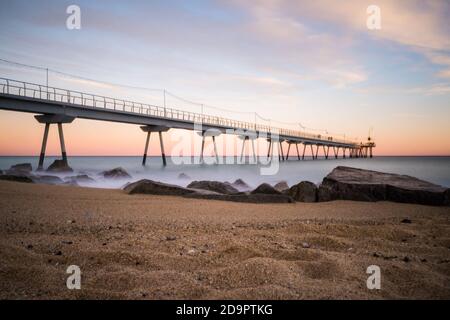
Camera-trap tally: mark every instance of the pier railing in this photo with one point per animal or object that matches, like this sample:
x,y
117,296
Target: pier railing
x,y
87,100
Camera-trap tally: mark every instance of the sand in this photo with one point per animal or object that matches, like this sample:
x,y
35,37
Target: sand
x,y
163,247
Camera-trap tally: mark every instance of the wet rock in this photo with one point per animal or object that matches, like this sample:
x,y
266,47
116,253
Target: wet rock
x,y
59,166
266,188
406,221
16,178
82,178
241,185
304,191
116,173
281,186
345,183
145,186
245,197
215,186
183,176
21,167
47,179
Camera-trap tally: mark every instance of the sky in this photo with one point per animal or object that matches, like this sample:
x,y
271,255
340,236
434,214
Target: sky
x,y
309,63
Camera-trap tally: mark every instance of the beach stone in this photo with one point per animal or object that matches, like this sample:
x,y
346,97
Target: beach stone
x,y
266,188
47,179
304,191
406,221
244,197
241,185
281,186
447,197
345,183
116,173
184,176
83,178
59,166
146,186
21,167
215,186
16,178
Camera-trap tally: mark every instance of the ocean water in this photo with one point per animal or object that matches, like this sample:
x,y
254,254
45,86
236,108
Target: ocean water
x,y
433,169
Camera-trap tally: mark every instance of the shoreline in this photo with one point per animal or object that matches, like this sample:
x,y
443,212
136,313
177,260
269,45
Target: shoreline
x,y
166,247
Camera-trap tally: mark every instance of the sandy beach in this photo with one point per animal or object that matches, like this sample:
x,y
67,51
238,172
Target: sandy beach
x,y
165,247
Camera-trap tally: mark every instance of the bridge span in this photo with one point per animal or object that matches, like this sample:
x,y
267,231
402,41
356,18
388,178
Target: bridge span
x,y
62,106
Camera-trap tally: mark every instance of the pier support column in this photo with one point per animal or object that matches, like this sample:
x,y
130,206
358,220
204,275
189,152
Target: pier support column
x,y
63,145
325,151
163,154
49,119
312,151
269,149
317,151
144,158
149,129
289,149
281,149
343,152
44,146
371,153
304,151
215,149
298,153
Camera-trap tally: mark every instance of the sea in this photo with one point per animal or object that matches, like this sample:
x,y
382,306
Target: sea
x,y
432,169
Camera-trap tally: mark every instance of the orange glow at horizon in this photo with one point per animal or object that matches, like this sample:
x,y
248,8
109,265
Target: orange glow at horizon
x,y
21,135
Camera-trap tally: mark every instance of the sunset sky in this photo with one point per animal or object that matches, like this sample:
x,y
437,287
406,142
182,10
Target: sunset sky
x,y
309,62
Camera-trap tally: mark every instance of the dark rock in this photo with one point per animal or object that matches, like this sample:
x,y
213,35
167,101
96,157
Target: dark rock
x,y
116,173
265,188
59,166
244,197
66,242
82,178
241,185
304,191
281,186
406,221
447,197
171,238
184,176
406,259
21,167
58,253
16,178
145,186
47,179
215,186
345,183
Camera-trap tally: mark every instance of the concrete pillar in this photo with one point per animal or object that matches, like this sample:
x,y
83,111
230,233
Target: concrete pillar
x,y
281,148
44,146
163,154
270,148
325,152
304,151
215,149
243,148
289,149
298,153
63,145
312,151
317,150
254,151
203,148
147,141
371,152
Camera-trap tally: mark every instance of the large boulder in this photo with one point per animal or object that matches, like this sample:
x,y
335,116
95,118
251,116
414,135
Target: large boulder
x,y
447,197
304,191
21,167
265,188
145,186
345,183
16,178
281,186
241,185
215,186
59,166
116,173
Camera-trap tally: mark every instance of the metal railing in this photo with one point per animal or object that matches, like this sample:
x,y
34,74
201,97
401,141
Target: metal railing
x,y
87,100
